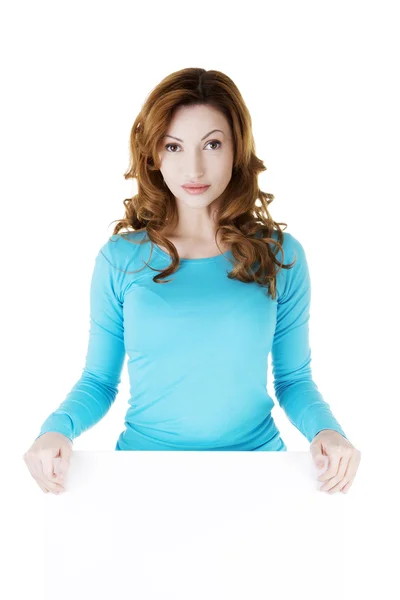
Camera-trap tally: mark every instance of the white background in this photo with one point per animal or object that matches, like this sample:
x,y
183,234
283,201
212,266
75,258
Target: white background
x,y
320,80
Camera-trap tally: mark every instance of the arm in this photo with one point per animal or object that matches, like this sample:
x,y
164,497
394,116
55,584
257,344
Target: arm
x,y
94,393
295,389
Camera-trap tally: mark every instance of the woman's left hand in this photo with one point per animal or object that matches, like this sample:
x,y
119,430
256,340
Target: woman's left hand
x,y
343,458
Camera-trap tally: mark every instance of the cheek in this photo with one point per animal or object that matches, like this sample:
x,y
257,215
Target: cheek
x,y
224,174
169,171
224,164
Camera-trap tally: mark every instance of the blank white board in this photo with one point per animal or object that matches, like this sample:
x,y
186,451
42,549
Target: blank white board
x,y
199,525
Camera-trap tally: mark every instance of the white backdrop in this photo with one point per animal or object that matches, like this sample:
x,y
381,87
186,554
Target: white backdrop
x,y
320,83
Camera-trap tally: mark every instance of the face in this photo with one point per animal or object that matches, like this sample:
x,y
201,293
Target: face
x,y
201,155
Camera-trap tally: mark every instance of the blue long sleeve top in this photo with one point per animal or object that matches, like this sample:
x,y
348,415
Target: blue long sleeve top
x,y
197,352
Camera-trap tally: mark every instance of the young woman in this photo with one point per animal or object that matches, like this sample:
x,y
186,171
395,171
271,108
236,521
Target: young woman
x,y
196,293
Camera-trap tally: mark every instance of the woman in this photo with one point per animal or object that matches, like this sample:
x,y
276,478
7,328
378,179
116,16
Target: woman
x,y
198,332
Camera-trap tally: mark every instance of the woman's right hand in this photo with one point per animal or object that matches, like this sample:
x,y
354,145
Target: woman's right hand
x,y
48,461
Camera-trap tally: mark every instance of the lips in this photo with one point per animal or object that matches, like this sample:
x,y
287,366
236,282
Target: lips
x,y
195,187
195,190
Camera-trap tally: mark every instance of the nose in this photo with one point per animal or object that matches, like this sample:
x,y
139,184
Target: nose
x,y
194,168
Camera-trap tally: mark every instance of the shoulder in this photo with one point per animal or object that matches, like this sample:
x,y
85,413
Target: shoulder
x,y
291,245
297,276
121,250
119,260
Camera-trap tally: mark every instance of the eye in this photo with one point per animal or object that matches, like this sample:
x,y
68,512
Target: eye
x,y
167,146
215,142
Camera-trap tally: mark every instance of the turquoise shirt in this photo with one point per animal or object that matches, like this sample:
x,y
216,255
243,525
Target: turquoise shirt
x,y
197,353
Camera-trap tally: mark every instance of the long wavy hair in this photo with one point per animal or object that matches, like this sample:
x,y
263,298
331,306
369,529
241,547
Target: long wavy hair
x,y
245,225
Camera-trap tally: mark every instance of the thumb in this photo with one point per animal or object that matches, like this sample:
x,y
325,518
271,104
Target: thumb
x,y
65,452
62,467
318,457
63,461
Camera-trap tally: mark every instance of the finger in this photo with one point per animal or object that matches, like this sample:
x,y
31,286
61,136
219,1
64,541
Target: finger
x,y
351,471
42,487
346,488
52,486
333,466
337,479
62,468
35,469
44,470
48,463
37,476
57,469
348,476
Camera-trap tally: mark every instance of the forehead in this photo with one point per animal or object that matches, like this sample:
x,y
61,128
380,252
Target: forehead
x,y
200,116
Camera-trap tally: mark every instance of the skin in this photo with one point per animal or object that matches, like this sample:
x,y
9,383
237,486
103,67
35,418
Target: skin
x,y
343,461
207,161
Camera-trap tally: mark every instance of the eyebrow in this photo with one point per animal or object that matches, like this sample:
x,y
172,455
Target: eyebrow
x,y
203,138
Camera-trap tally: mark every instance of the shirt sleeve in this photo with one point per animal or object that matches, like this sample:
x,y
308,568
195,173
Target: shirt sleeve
x,y
295,390
94,393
